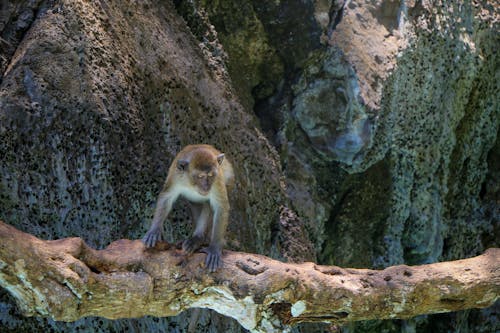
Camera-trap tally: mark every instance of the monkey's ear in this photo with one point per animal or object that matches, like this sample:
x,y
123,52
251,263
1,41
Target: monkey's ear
x,y
182,165
220,158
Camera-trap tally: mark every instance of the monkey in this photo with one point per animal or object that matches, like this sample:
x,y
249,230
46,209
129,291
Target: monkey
x,y
202,175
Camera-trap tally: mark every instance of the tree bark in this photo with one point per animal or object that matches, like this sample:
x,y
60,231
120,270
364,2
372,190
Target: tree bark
x,y
67,280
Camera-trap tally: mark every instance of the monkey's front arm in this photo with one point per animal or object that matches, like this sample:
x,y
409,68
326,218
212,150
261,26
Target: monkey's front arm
x,y
163,207
214,249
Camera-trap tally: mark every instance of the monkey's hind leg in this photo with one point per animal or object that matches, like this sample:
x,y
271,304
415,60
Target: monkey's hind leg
x,y
201,216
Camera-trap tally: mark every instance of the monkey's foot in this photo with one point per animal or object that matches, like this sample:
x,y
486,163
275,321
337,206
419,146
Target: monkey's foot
x,y
152,237
192,244
213,260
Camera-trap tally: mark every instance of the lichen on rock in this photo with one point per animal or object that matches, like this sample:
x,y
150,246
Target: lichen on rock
x,y
371,126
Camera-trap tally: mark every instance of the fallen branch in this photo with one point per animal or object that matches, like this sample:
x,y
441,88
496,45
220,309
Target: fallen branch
x,y
67,280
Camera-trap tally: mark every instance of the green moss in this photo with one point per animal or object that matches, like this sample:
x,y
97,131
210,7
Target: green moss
x,y
356,227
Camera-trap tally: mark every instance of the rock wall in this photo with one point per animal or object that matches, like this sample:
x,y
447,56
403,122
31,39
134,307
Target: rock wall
x,y
376,121
386,120
95,101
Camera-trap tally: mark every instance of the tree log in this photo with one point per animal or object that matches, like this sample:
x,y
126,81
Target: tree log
x,y
67,280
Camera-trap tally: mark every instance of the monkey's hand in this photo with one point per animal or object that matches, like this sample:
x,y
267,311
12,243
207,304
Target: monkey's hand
x,y
213,260
152,237
192,244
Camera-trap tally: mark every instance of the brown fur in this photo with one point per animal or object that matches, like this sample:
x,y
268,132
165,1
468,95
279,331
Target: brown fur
x,y
201,174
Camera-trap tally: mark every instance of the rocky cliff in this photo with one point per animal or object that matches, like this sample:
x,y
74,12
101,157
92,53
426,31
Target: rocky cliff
x,y
364,133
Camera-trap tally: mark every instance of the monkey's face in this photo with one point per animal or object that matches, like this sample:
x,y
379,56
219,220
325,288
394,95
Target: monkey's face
x,y
203,180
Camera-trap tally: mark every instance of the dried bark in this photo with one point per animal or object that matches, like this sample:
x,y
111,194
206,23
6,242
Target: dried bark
x,y
67,280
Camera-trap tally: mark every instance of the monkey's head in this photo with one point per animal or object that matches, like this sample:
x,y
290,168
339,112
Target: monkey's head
x,y
202,169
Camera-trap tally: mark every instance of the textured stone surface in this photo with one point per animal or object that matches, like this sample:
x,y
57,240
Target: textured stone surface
x,y
94,126
436,125
327,109
94,103
387,134
384,113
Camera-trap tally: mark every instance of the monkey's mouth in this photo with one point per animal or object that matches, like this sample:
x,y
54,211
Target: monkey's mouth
x,y
203,192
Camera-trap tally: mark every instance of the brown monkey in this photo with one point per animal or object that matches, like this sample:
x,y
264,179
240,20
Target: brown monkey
x,y
201,174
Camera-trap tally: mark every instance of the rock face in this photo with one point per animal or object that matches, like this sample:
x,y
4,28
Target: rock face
x,y
95,101
384,115
386,120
